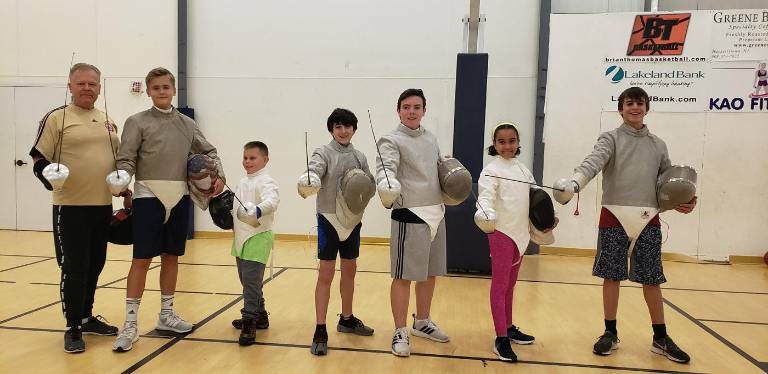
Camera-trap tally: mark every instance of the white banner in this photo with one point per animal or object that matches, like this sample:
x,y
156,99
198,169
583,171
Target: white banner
x,y
739,34
689,62
735,87
671,87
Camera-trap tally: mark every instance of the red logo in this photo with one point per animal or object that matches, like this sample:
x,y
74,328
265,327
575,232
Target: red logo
x,y
658,34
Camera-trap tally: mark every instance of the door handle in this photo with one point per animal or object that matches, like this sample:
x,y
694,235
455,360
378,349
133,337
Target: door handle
x,y
19,163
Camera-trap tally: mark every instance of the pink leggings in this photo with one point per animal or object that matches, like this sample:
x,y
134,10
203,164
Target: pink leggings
x,y
505,264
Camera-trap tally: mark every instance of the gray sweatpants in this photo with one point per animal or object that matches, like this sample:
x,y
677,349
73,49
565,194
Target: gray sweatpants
x,y
413,254
252,278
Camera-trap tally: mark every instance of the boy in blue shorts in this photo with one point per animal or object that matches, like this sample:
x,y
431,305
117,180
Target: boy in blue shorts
x,y
338,229
154,148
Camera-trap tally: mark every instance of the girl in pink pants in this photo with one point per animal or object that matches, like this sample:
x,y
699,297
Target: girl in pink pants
x,y
503,214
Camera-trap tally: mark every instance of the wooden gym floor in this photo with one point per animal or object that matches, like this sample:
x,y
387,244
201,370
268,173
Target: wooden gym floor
x,y
717,313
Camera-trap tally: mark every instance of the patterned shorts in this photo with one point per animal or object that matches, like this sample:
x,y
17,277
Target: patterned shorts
x,y
644,263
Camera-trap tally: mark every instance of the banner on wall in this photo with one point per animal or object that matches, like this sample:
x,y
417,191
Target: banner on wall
x,y
739,34
691,62
658,34
739,53
736,87
671,87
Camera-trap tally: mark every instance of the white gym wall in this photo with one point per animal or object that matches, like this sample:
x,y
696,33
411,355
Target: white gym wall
x,y
37,38
279,68
726,147
271,70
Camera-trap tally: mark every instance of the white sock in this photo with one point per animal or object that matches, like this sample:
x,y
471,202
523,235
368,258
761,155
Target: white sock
x,y
166,304
85,320
132,309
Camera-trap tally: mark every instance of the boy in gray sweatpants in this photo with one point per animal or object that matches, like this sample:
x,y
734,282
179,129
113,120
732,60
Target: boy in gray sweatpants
x,y
408,183
252,245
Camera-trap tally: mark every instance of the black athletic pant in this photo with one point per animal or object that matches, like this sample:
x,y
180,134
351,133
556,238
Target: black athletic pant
x,y
80,237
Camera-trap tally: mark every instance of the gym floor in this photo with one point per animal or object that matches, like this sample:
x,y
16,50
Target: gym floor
x,y
717,313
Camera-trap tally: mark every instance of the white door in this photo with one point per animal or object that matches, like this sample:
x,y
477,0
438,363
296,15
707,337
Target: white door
x,y
33,201
7,160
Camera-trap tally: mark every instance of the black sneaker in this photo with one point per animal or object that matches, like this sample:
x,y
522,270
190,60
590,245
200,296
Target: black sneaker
x,y
261,321
503,349
353,325
606,344
319,343
518,337
73,340
666,347
248,333
98,326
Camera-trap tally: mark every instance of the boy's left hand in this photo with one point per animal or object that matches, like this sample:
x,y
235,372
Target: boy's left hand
x,y
557,220
218,187
687,207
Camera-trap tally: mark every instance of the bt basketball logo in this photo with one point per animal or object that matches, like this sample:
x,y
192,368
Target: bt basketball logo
x,y
615,73
658,34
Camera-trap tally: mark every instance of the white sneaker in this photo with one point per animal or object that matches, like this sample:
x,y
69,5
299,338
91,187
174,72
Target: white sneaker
x,y
401,345
172,322
426,328
129,335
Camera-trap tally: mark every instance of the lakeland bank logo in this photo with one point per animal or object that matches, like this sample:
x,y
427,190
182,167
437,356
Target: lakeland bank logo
x,y
615,73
